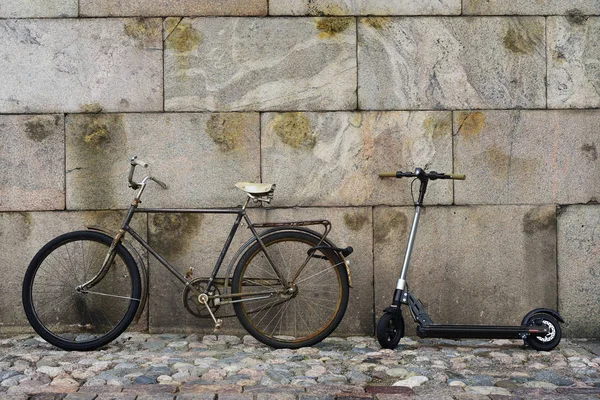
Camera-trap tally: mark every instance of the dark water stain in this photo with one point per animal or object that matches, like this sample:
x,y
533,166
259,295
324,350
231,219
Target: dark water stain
x,y
355,220
589,149
393,220
539,219
39,128
294,130
496,157
173,233
96,142
329,27
576,17
226,130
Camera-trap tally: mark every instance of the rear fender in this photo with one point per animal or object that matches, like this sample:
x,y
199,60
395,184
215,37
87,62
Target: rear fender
x,y
542,310
265,234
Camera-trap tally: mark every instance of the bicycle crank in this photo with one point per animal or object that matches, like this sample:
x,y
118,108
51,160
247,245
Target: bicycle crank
x,y
203,299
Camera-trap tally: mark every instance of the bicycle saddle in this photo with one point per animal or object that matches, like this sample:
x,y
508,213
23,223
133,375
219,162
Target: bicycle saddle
x,y
256,189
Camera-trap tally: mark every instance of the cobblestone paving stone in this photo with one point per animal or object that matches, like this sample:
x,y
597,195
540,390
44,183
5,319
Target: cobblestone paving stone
x,y
180,367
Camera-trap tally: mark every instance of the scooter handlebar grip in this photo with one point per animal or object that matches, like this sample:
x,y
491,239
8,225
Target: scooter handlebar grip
x,y
387,175
460,177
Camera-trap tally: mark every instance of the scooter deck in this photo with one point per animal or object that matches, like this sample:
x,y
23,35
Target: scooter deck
x,y
479,331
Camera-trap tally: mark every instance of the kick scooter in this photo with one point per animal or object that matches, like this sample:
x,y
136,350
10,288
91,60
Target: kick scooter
x,y
539,329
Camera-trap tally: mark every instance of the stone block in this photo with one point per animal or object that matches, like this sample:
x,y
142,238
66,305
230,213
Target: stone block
x,y
526,7
23,234
199,156
237,64
334,158
451,63
364,7
573,58
38,8
189,240
32,173
477,264
579,270
527,157
161,8
81,65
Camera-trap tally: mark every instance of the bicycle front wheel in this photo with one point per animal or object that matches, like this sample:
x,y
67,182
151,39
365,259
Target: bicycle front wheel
x,y
302,310
74,319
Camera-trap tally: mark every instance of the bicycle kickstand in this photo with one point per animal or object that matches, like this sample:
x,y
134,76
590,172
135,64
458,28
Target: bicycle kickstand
x,y
203,299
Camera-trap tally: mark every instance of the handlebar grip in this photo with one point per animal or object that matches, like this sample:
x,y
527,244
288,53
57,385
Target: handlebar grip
x,y
460,177
387,175
136,161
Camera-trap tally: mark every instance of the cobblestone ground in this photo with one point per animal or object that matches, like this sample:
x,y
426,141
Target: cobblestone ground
x,y
157,367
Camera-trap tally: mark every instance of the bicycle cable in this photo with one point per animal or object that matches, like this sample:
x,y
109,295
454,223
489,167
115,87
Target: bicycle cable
x,y
411,190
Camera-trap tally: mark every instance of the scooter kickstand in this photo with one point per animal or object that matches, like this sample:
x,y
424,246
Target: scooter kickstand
x,y
203,299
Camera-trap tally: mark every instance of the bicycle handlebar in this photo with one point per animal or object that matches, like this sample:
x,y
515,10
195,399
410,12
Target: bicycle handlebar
x,y
136,185
420,173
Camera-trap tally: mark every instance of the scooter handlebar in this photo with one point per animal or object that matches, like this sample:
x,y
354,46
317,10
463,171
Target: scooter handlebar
x,y
421,173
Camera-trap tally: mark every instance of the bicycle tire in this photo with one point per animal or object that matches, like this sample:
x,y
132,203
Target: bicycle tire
x,y
75,320
321,286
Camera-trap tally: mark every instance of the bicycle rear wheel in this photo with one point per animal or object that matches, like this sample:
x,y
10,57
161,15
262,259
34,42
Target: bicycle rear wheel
x,y
313,304
80,320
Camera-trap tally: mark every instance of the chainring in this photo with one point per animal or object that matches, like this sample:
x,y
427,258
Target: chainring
x,y
190,298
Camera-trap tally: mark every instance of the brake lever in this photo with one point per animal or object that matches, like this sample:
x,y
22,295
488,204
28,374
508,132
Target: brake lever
x,y
160,183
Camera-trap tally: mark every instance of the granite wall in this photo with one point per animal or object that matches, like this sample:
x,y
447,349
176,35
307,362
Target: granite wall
x,y
316,96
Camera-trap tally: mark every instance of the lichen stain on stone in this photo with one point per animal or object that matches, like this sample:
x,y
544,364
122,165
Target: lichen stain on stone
x,y
377,23
576,17
590,151
329,27
144,30
294,130
355,220
93,108
225,130
98,130
183,39
172,233
356,119
437,127
518,41
393,220
470,123
39,128
539,219
170,24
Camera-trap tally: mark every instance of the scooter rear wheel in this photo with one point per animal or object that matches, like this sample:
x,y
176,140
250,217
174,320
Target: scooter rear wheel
x,y
552,338
390,330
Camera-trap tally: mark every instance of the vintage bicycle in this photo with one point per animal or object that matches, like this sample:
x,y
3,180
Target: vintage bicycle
x,y
289,288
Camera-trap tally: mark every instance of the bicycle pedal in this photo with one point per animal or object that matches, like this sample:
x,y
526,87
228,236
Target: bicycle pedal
x,y
218,325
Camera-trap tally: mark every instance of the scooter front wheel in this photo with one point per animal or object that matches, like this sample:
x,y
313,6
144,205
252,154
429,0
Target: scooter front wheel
x,y
390,329
551,339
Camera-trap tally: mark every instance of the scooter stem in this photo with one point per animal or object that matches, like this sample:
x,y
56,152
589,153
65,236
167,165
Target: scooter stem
x,y
401,285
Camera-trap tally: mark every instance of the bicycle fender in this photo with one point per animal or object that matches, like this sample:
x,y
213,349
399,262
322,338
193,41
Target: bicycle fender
x,y
139,262
555,314
271,231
